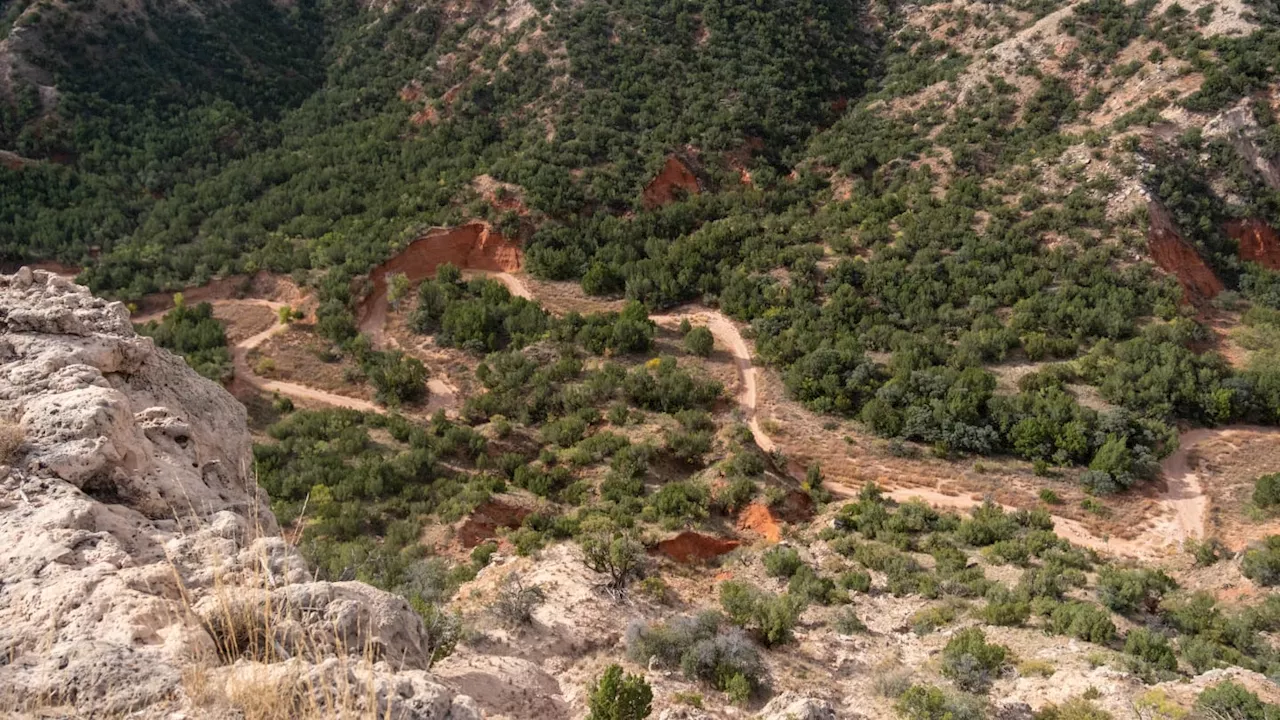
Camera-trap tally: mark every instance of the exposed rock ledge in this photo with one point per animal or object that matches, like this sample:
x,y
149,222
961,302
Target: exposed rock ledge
x,y
132,534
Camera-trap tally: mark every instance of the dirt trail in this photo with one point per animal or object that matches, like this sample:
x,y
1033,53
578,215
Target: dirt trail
x,y
240,358
1184,500
244,370
727,333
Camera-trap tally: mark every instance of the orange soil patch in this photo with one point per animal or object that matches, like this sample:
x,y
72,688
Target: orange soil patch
x,y
690,547
757,518
483,524
474,246
1175,255
411,92
1258,242
675,177
13,161
767,521
426,115
502,196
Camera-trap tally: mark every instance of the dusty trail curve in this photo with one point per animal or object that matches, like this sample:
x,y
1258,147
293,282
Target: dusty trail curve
x,y
1183,500
244,370
727,333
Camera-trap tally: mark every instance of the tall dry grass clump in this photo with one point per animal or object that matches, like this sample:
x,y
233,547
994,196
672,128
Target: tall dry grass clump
x,y
11,438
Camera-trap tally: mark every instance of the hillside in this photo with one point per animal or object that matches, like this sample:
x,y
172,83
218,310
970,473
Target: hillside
x,y
832,358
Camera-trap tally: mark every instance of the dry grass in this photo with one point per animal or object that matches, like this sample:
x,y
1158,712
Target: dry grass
x,y
11,438
264,666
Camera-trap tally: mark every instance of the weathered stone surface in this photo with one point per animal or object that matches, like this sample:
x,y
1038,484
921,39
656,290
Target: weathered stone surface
x,y
130,523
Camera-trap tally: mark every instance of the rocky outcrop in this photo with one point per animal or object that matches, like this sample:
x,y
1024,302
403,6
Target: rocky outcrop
x,y
484,522
1176,256
789,706
140,568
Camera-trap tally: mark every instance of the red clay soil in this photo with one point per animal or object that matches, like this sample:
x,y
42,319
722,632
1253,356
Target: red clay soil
x,y
758,519
663,189
483,524
1175,255
766,521
411,92
474,246
690,547
1258,242
12,161
426,115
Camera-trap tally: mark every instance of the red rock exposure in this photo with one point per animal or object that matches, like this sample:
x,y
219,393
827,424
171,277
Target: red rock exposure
x,y
474,246
767,521
1258,242
1175,255
676,176
483,524
690,547
759,519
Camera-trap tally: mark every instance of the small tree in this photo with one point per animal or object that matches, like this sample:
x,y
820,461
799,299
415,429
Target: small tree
x,y
612,552
971,662
397,288
285,313
516,601
699,341
619,697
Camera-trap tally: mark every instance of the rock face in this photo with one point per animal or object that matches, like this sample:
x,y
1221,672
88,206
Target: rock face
x,y
1175,255
137,554
1258,242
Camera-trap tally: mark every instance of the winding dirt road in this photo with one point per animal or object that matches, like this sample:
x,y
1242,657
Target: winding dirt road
x,y
240,359
724,331
1184,502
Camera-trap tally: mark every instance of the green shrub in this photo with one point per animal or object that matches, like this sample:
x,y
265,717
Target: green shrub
x,y
1082,620
1152,649
1261,563
926,702
1075,709
926,620
847,622
699,341
1266,491
989,524
1207,552
781,561
771,616
813,588
1043,668
1231,701
702,647
619,697
1128,590
1005,608
855,580
971,662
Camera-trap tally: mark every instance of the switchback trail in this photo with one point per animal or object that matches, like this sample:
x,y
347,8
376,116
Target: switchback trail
x,y
1183,501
